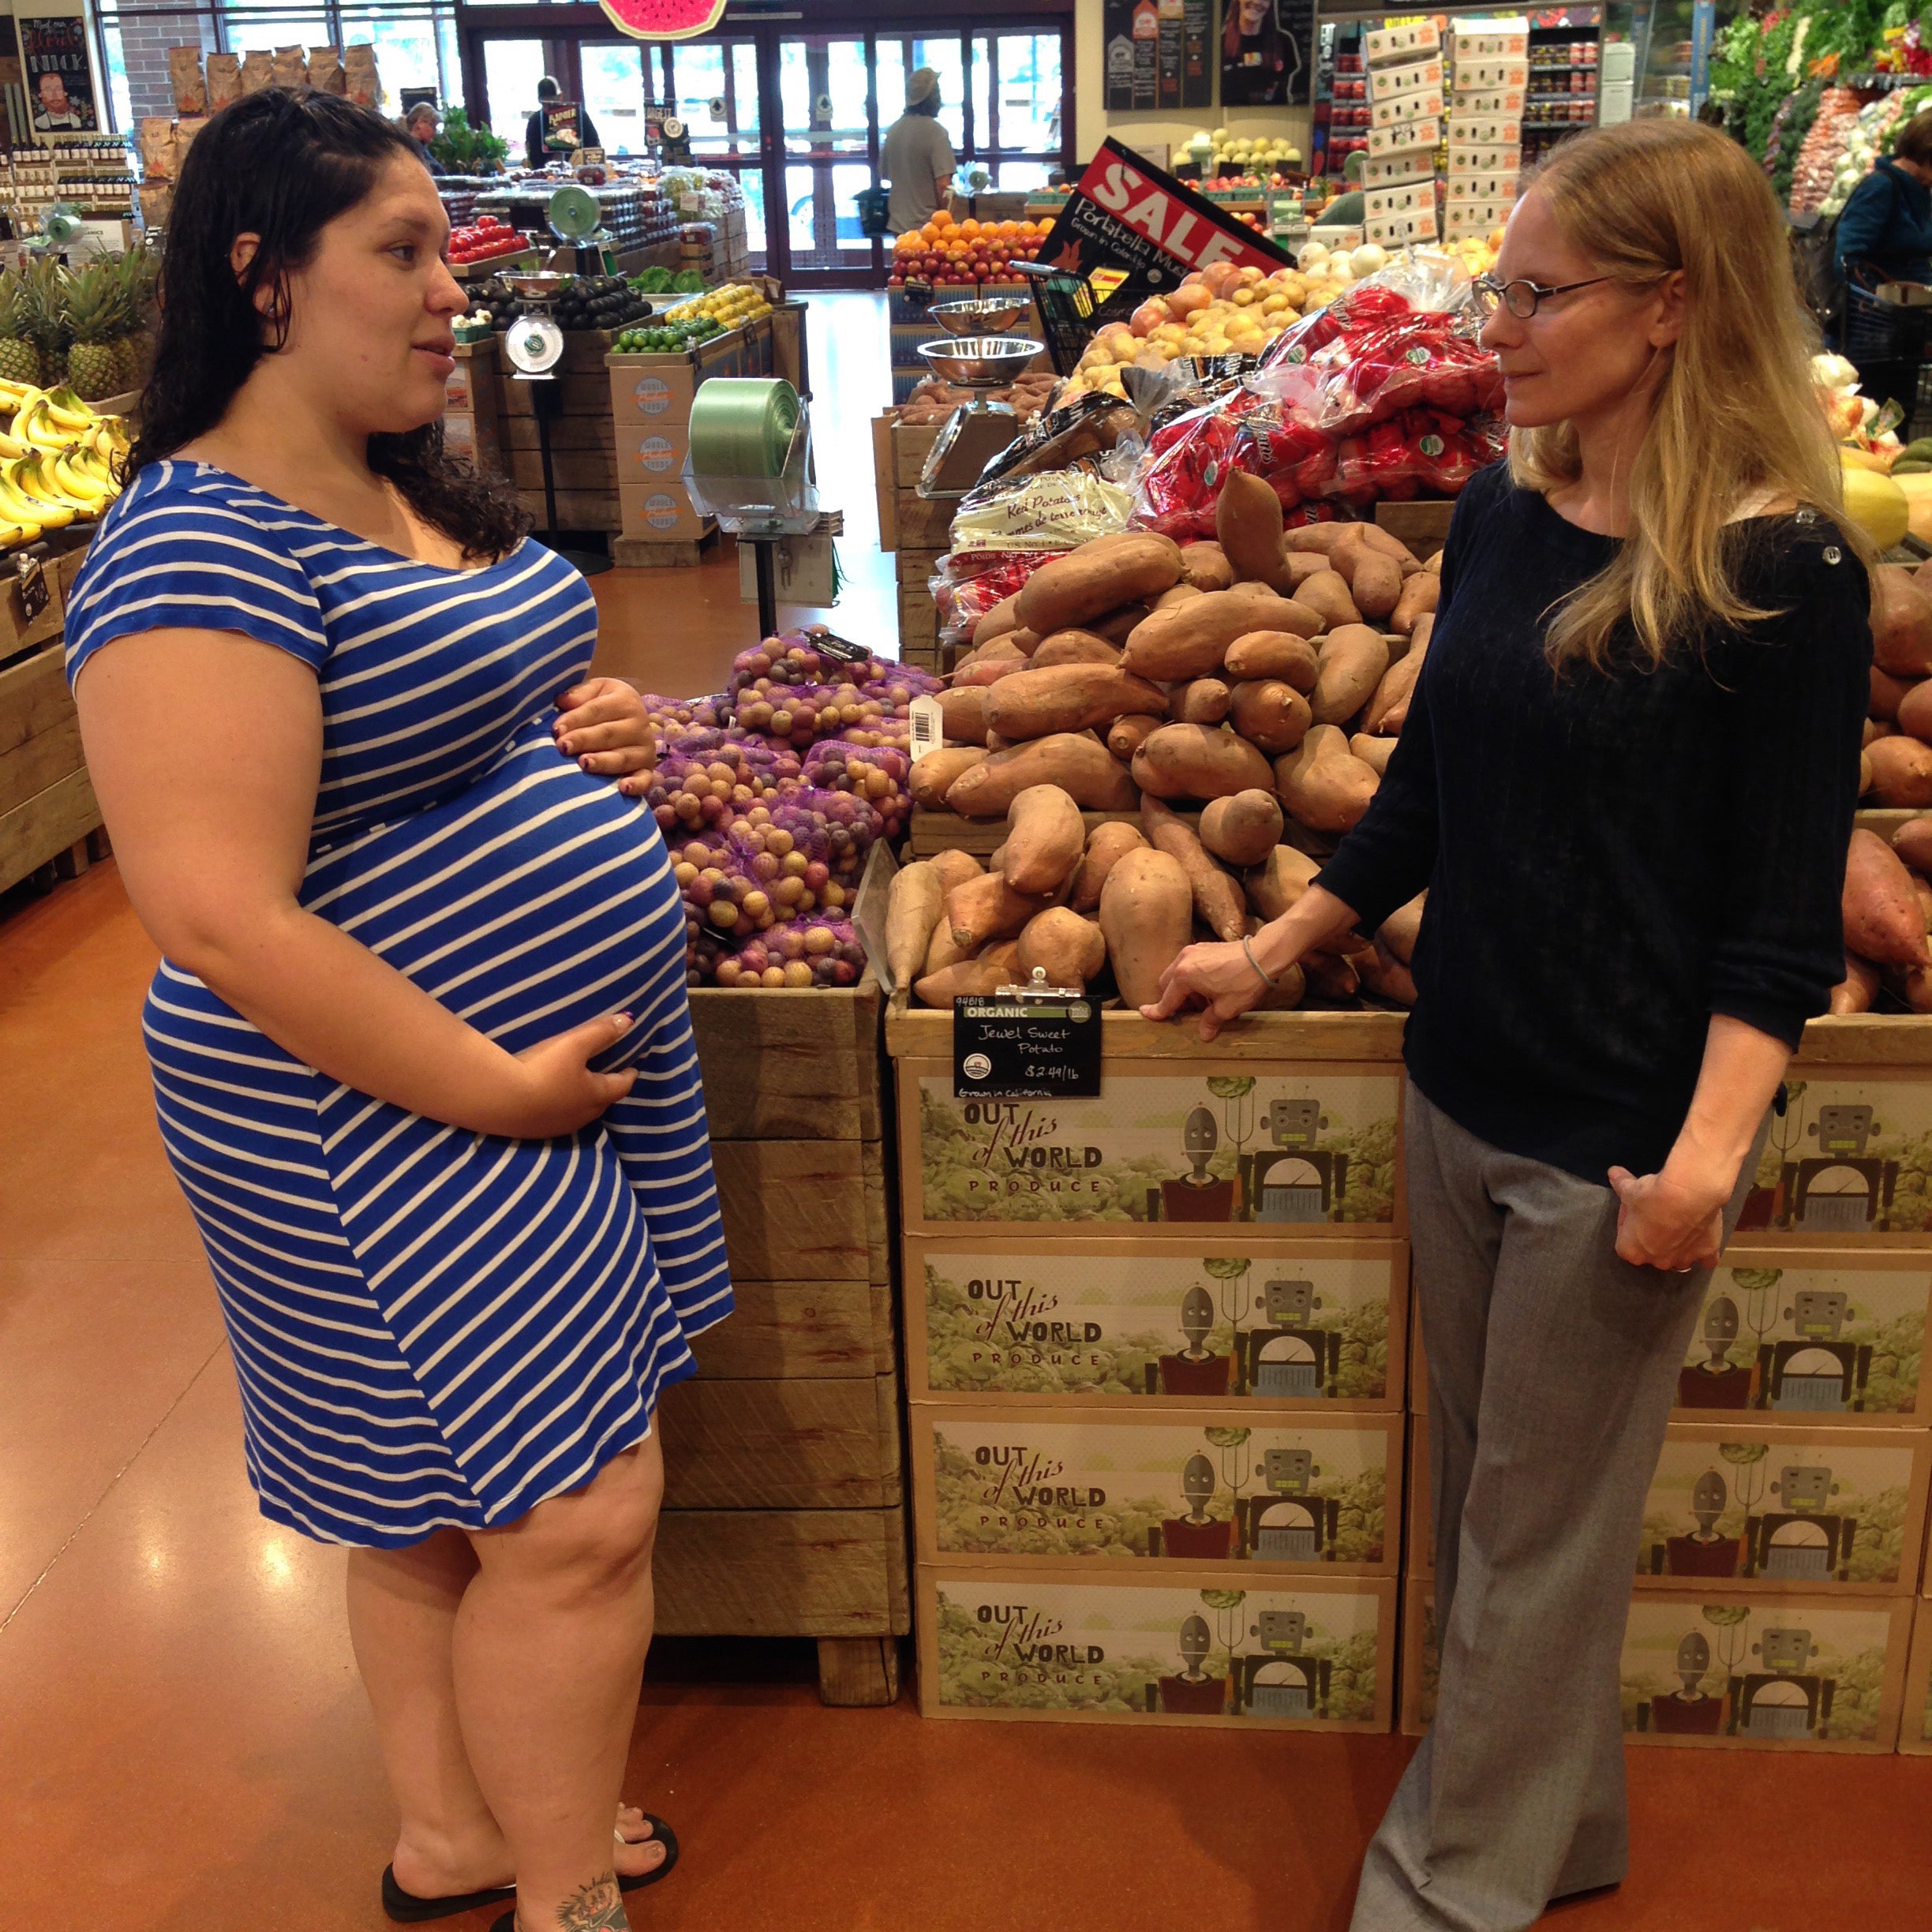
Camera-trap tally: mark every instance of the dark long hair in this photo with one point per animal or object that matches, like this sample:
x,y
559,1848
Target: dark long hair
x,y
283,166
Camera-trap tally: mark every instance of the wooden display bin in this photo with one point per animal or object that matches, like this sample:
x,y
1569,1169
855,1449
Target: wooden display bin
x,y
1207,1648
907,520
785,1511
47,808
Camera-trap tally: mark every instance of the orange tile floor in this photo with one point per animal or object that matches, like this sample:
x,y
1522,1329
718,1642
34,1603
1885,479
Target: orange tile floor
x,y
183,1744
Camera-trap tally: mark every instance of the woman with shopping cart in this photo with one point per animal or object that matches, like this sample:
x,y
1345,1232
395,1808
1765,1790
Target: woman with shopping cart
x,y
1884,236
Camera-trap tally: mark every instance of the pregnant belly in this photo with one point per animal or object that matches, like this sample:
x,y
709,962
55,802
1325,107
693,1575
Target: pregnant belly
x,y
536,898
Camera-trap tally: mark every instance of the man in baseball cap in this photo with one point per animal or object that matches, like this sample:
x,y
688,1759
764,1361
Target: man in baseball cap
x,y
915,156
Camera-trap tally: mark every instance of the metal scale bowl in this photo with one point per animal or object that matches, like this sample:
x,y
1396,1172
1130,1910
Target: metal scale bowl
x,y
978,354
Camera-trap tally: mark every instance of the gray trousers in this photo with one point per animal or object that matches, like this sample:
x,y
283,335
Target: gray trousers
x,y
1552,1367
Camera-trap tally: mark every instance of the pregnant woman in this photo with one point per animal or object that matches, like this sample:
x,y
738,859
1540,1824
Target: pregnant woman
x,y
421,1049
1627,780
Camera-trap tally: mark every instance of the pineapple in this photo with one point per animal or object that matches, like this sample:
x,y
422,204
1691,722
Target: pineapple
x,y
45,312
135,275
19,356
96,305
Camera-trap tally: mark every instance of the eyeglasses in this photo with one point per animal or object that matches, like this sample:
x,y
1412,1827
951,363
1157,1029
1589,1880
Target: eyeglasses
x,y
1521,298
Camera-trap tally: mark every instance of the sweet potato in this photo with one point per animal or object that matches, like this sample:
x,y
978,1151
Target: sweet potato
x,y
1299,566
912,910
1192,639
1389,707
955,867
1384,976
1242,829
1274,654
1198,761
1046,838
1324,784
1876,728
989,907
1147,913
1205,565
1398,932
1351,662
1332,977
1320,538
1887,692
1281,879
1109,843
1070,647
1377,585
1067,698
1922,887
1420,594
1327,593
1247,520
931,777
1003,616
1127,734
1071,949
1866,774
1855,993
1099,577
989,662
1912,713
942,950
1075,760
1390,545
1200,701
1373,752
996,966
1882,919
1901,771
962,713
1912,984
1117,625
1901,623
1179,594
1912,841
1217,899
1270,714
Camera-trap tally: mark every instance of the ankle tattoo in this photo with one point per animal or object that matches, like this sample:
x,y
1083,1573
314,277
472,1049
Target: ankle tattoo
x,y
597,1907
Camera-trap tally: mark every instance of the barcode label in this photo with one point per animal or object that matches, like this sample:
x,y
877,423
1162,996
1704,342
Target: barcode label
x,y
927,733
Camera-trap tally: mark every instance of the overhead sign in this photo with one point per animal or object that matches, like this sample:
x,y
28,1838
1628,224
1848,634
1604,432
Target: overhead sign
x,y
665,19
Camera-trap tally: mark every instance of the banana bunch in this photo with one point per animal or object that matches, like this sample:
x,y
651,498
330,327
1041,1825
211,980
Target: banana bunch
x,y
56,462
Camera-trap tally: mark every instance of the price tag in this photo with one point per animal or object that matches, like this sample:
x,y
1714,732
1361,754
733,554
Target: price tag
x,y
690,205
34,591
928,727
830,644
1026,1046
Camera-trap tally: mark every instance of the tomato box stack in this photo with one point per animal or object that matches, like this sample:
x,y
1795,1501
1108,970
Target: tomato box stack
x,y
1406,80
1491,76
1155,1350
1777,1580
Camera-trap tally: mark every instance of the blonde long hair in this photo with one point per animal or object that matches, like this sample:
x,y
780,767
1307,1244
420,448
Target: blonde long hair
x,y
1736,421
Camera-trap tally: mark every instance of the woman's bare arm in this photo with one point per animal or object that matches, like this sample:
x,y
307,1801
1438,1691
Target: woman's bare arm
x,y
205,749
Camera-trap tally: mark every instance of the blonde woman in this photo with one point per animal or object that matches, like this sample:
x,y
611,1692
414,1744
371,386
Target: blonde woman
x,y
1627,779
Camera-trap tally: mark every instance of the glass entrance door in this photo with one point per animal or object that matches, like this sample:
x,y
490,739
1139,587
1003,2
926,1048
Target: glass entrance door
x,y
511,68
613,93
830,143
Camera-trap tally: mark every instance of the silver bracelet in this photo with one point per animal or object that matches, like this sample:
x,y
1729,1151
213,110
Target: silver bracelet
x,y
1255,963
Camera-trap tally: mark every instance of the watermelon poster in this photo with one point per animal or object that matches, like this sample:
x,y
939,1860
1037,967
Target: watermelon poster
x,y
665,19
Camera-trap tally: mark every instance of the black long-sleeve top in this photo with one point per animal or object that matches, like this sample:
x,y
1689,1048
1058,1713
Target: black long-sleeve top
x,y
1612,857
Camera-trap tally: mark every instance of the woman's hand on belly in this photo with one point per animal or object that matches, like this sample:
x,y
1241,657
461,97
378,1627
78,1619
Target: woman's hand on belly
x,y
605,727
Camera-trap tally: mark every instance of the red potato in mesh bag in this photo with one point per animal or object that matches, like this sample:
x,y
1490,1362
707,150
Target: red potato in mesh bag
x,y
1883,920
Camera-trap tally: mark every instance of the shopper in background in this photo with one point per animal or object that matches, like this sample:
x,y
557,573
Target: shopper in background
x,y
419,945
1626,778
536,150
916,156
423,123
1885,234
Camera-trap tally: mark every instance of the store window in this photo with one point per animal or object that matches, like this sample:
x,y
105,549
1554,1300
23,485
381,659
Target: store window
x,y
511,68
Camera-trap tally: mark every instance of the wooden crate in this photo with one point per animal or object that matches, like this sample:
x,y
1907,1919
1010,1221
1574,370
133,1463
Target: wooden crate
x,y
576,510
656,553
47,807
784,1491
918,618
898,454
1423,526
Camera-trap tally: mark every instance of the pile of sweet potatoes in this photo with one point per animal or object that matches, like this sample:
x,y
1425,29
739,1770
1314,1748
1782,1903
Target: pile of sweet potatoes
x,y
1272,661
1896,767
1107,910
1888,912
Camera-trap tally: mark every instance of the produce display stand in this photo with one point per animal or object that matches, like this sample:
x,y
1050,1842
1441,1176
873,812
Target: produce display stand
x,y
49,819
784,1502
1838,1384
1054,1253
914,527
908,325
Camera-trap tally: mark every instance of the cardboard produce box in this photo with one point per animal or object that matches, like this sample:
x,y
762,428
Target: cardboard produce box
x,y
1490,39
1397,170
649,455
1392,231
661,512
1289,1323
1485,130
1413,41
1054,1485
1491,76
1405,137
1406,109
1734,1670
1479,218
1389,83
1850,1162
1915,1715
1468,158
1204,1648
1311,1147
654,390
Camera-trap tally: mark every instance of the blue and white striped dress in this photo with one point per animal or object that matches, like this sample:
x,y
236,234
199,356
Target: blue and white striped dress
x,y
430,1327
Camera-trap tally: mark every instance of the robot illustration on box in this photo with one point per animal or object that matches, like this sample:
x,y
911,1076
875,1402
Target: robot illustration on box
x,y
1288,1523
1782,1700
1196,1536
1803,1542
1289,1358
1703,1552
1277,1680
1718,1382
1294,1180
1841,1189
1196,1370
1687,1712
1196,1195
1191,1693
1813,1370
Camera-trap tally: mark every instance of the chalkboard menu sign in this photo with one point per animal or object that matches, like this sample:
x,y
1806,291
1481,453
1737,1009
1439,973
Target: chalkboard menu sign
x,y
1159,53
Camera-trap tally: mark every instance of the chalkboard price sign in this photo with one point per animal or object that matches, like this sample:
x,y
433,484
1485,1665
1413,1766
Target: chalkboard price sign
x,y
1025,1047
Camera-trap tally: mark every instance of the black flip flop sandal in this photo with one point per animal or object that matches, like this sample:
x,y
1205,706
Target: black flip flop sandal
x,y
407,1908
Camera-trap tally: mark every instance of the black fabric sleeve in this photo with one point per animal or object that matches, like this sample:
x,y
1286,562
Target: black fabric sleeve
x,y
1388,857
533,141
1802,685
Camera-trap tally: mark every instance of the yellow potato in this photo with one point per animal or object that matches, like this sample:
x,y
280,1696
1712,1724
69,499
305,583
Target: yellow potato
x,y
1243,297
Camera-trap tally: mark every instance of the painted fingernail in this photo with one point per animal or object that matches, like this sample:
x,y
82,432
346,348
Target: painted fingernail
x,y
585,764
